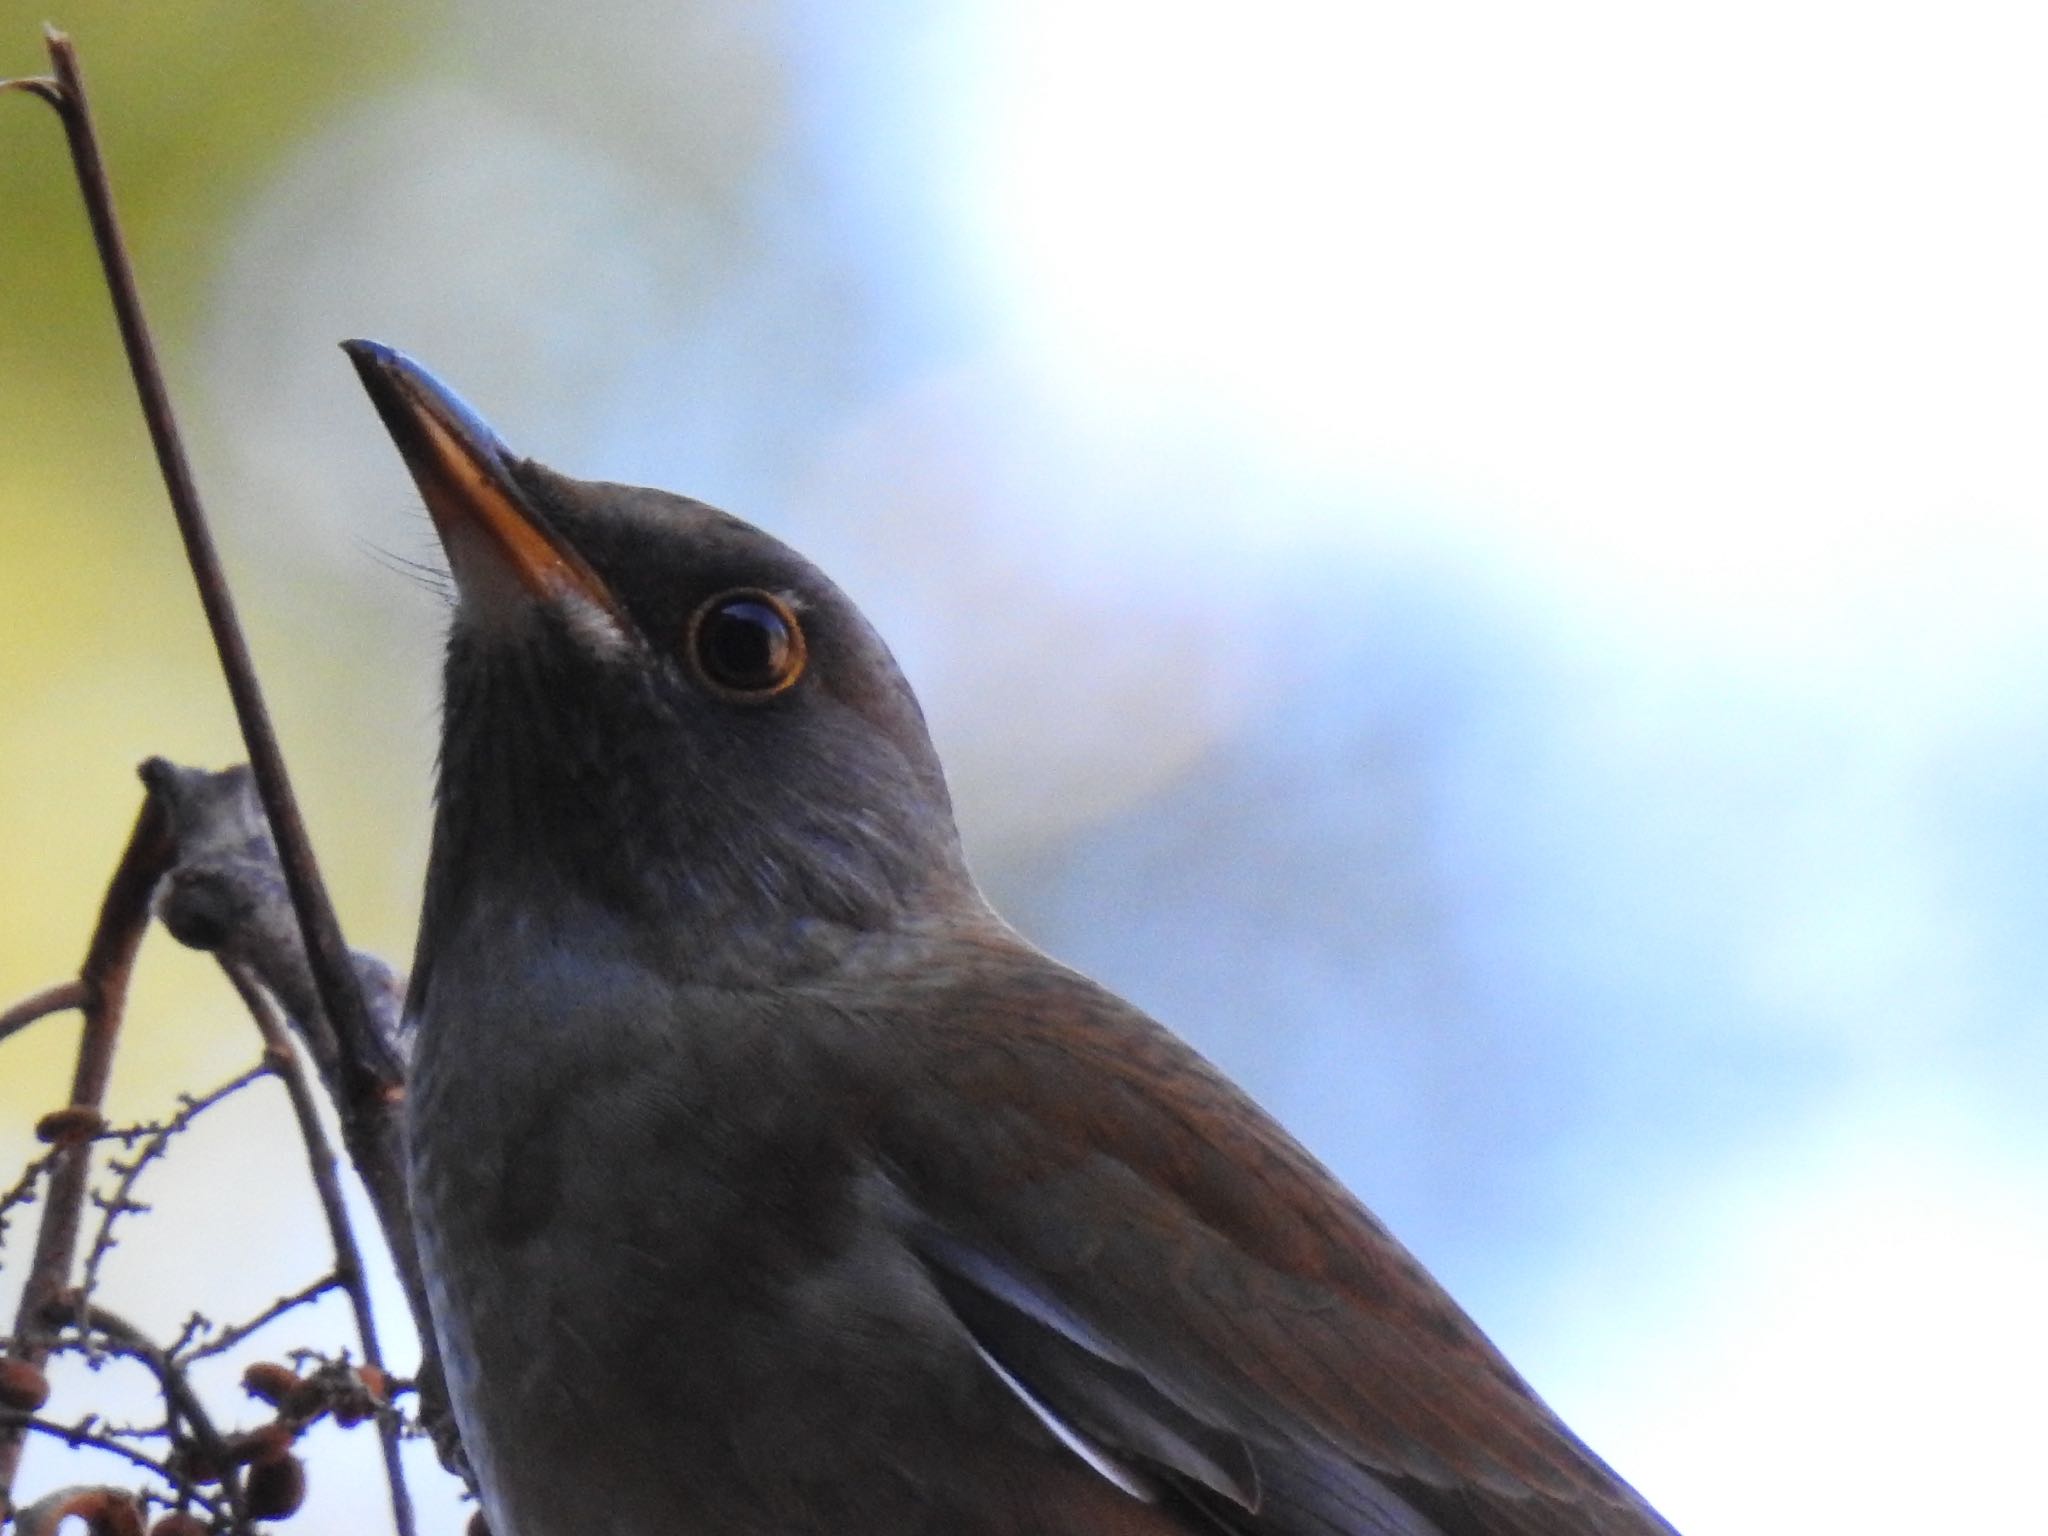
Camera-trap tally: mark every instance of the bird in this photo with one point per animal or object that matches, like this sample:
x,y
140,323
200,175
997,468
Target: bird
x,y
767,1183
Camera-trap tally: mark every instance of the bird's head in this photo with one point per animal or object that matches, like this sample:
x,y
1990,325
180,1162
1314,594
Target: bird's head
x,y
659,720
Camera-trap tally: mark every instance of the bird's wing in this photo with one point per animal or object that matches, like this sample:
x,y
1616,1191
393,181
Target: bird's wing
x,y
1181,1290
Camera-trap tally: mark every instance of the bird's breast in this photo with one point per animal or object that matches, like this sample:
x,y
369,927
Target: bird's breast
x,y
651,1220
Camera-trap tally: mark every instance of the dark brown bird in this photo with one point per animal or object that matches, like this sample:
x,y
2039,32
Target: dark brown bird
x,y
770,1186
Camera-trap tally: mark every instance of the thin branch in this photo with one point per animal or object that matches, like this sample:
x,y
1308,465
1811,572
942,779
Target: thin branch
x,y
369,1070
371,1078
123,1338
79,1434
40,1005
161,1431
283,1056
191,1351
41,86
109,961
23,1190
225,895
156,1140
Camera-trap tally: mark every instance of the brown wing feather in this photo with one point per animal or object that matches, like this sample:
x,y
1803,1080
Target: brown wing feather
x,y
1042,1119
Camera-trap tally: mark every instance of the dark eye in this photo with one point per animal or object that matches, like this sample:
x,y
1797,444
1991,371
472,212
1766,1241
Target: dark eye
x,y
747,643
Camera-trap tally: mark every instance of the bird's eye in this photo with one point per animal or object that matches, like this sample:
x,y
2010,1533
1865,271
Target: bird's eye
x,y
747,644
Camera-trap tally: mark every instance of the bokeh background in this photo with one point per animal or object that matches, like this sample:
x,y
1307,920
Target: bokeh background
x,y
1486,562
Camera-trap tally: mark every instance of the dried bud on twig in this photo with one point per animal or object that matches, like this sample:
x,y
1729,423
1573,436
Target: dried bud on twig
x,y
478,1525
105,1511
23,1386
258,1447
179,1524
70,1125
313,1396
269,1382
194,1463
369,1391
276,1488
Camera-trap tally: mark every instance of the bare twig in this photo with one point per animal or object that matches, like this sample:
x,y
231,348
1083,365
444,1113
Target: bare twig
x,y
362,1067
109,959
283,1057
116,1431
370,1072
41,86
82,1434
100,1328
23,1190
155,1139
225,894
40,1005
190,1349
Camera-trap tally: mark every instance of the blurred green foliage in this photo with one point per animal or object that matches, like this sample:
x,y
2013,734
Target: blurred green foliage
x,y
103,658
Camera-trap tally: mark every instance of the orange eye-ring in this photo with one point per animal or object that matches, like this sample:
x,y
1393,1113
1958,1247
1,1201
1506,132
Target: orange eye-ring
x,y
746,644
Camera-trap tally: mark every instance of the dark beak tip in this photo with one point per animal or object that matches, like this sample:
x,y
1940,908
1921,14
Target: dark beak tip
x,y
401,388
366,354
468,476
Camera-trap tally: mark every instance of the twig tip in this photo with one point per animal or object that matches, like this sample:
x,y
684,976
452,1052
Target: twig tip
x,y
41,86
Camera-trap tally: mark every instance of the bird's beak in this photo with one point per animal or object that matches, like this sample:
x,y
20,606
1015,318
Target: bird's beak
x,y
463,471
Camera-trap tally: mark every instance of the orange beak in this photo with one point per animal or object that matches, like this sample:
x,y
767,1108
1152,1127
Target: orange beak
x,y
463,472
